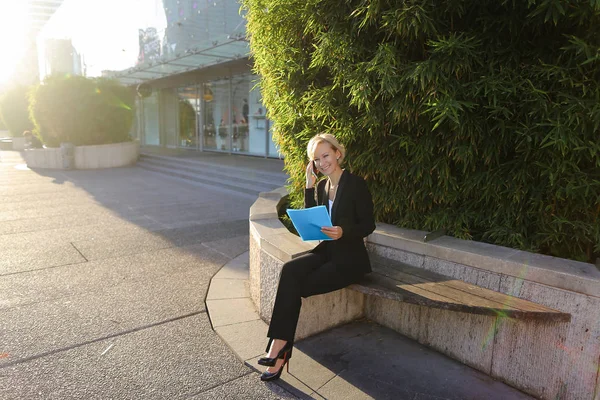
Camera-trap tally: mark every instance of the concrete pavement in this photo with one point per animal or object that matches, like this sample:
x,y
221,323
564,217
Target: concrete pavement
x,y
103,276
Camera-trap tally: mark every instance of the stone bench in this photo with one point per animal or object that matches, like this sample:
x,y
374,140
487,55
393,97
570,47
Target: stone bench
x,y
527,319
397,281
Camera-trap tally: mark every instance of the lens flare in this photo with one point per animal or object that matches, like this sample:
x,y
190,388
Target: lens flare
x,y
502,315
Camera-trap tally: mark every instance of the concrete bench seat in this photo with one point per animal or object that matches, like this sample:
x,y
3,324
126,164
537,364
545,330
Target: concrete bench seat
x,y
530,320
397,281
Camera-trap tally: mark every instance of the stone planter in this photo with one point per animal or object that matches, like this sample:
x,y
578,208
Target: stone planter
x,y
44,158
107,155
548,360
86,157
18,143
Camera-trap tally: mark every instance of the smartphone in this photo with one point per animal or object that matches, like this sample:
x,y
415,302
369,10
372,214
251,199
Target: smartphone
x,y
315,170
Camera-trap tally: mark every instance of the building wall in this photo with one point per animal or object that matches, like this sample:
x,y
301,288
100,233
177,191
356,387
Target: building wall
x,y
192,53
59,57
208,113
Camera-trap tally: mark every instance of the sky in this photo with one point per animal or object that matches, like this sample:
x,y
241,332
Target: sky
x,y
12,36
105,32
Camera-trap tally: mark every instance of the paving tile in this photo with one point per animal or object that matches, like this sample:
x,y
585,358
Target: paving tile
x,y
247,387
338,388
42,328
70,280
237,268
379,361
247,339
137,365
287,381
228,289
159,239
44,212
206,232
309,371
421,396
232,247
59,236
45,223
348,386
125,245
37,256
231,311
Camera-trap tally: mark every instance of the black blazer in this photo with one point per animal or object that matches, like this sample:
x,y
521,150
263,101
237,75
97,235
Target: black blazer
x,y
353,211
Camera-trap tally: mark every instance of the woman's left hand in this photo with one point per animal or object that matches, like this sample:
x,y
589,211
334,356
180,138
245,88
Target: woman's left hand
x,y
334,232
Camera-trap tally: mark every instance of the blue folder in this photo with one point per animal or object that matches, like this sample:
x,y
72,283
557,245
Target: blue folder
x,y
309,221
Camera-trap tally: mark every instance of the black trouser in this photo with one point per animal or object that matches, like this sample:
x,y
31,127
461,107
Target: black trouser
x,y
305,276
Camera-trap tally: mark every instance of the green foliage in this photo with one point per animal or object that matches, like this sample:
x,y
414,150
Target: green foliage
x,y
478,116
14,110
82,111
187,121
286,220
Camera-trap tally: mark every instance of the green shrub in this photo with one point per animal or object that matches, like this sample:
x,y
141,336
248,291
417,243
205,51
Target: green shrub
x,y
14,110
82,111
478,116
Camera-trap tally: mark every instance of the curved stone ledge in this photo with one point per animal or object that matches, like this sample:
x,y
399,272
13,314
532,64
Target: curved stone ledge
x,y
407,245
86,157
50,158
547,360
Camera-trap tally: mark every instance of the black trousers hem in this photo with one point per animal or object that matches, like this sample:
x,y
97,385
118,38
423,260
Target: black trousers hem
x,y
305,276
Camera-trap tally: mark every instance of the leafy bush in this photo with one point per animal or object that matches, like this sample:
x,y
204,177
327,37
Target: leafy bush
x,y
82,111
14,110
478,116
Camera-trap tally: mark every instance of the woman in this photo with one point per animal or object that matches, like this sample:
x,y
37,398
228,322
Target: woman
x,y
333,264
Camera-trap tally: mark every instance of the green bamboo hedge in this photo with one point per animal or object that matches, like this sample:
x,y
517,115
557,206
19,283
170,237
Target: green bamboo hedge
x,y
481,117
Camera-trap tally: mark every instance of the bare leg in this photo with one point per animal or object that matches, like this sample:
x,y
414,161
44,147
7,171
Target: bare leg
x,y
276,345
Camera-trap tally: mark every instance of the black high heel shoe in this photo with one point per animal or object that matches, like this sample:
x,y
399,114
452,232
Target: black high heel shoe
x,y
270,362
272,376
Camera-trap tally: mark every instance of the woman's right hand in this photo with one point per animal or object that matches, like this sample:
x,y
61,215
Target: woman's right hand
x,y
311,177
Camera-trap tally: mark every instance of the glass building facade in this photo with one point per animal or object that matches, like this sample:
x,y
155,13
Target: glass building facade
x,y
188,59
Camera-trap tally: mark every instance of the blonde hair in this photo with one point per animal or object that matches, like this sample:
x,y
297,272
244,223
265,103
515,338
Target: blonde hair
x,y
325,137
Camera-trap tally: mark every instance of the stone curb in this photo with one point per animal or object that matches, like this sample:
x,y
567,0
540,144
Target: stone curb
x,y
235,320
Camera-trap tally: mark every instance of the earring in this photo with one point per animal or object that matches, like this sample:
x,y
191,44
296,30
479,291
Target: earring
x,y
337,158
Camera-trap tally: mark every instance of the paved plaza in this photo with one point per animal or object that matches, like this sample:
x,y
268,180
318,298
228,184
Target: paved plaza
x,y
103,276
103,280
